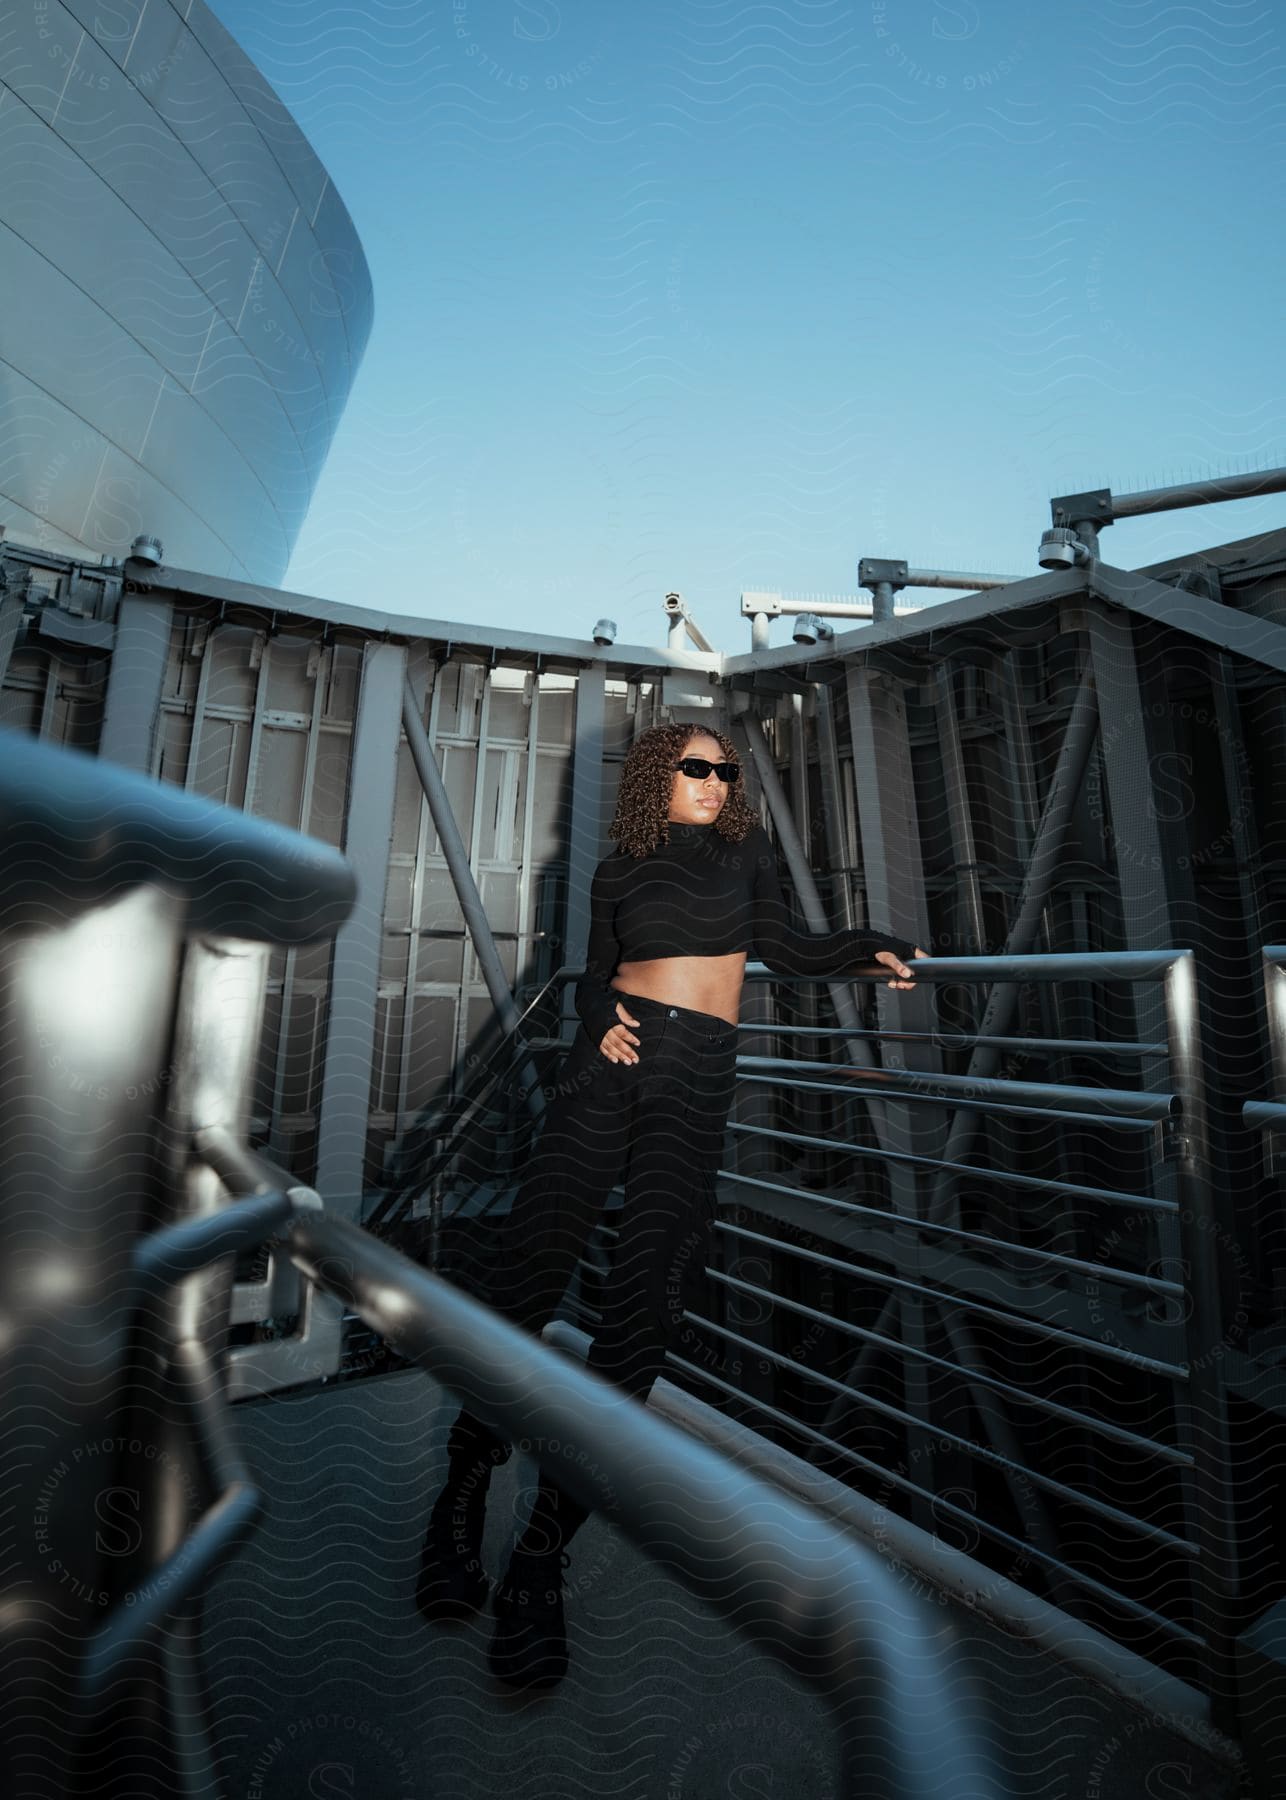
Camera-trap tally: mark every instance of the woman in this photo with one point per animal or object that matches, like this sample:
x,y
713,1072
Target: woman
x,y
644,1096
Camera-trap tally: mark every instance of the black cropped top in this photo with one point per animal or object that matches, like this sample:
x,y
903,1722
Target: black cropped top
x,y
700,895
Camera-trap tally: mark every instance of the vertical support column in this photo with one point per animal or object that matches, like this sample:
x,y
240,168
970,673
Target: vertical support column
x,y
961,820
11,610
1154,899
888,823
895,898
584,839
277,1141
263,651
134,683
832,801
350,1034
421,679
527,960
813,1110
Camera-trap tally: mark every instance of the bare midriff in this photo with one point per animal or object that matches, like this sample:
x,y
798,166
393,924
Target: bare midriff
x,y
708,984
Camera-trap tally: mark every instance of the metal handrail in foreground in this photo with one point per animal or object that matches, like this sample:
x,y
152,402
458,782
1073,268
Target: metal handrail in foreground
x,y
1269,1116
825,1606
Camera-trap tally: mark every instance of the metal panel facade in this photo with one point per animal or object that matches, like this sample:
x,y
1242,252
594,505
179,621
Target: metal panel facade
x,y
193,298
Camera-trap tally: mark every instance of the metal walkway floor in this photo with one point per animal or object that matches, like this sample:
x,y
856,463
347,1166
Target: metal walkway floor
x,y
326,1682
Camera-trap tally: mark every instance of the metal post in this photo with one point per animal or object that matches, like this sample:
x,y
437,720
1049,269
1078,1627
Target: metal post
x,y
584,835
133,699
833,821
893,871
277,1139
759,623
882,601
884,1124
11,611
957,789
350,1035
894,875
1155,900
1214,1516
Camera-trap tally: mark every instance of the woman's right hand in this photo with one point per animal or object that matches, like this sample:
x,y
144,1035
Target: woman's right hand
x,y
618,1044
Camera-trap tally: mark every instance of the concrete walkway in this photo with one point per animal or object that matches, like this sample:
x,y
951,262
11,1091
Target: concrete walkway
x,y
327,1682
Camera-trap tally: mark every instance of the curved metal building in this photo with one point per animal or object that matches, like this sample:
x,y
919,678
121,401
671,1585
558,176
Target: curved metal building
x,y
184,297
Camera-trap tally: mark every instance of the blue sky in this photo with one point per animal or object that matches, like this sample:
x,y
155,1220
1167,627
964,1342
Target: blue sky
x,y
707,295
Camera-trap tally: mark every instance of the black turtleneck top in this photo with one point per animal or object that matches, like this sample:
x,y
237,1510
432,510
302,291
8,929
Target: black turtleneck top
x,y
700,895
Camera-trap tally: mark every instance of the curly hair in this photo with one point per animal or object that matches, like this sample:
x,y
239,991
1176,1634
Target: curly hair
x,y
640,822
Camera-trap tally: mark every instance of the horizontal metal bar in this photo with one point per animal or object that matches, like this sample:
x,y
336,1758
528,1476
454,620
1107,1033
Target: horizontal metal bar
x,y
974,1521
942,1040
1176,1371
1076,1644
459,934
964,582
175,1251
1199,493
982,1452
979,1587
1019,1108
1105,965
1035,1096
824,1605
1265,1115
1150,1284
1143,1202
1086,1421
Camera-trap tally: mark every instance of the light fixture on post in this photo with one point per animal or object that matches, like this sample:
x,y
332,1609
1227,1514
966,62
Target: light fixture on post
x,y
147,549
1060,548
809,629
605,633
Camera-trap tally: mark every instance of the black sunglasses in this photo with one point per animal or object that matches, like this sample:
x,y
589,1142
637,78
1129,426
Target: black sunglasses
x,y
699,767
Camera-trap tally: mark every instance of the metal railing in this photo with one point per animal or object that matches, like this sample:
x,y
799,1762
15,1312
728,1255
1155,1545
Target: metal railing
x,y
1269,1116
1112,1369
822,1604
138,1315
1099,1378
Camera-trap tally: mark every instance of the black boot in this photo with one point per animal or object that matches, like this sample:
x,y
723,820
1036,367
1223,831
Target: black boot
x,y
452,1583
529,1645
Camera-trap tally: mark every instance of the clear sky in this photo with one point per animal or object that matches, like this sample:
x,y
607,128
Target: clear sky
x,y
707,295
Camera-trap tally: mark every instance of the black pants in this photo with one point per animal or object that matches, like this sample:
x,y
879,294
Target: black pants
x,y
658,1125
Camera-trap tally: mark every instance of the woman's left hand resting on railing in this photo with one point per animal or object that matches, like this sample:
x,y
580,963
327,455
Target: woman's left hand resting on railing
x,y
894,962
